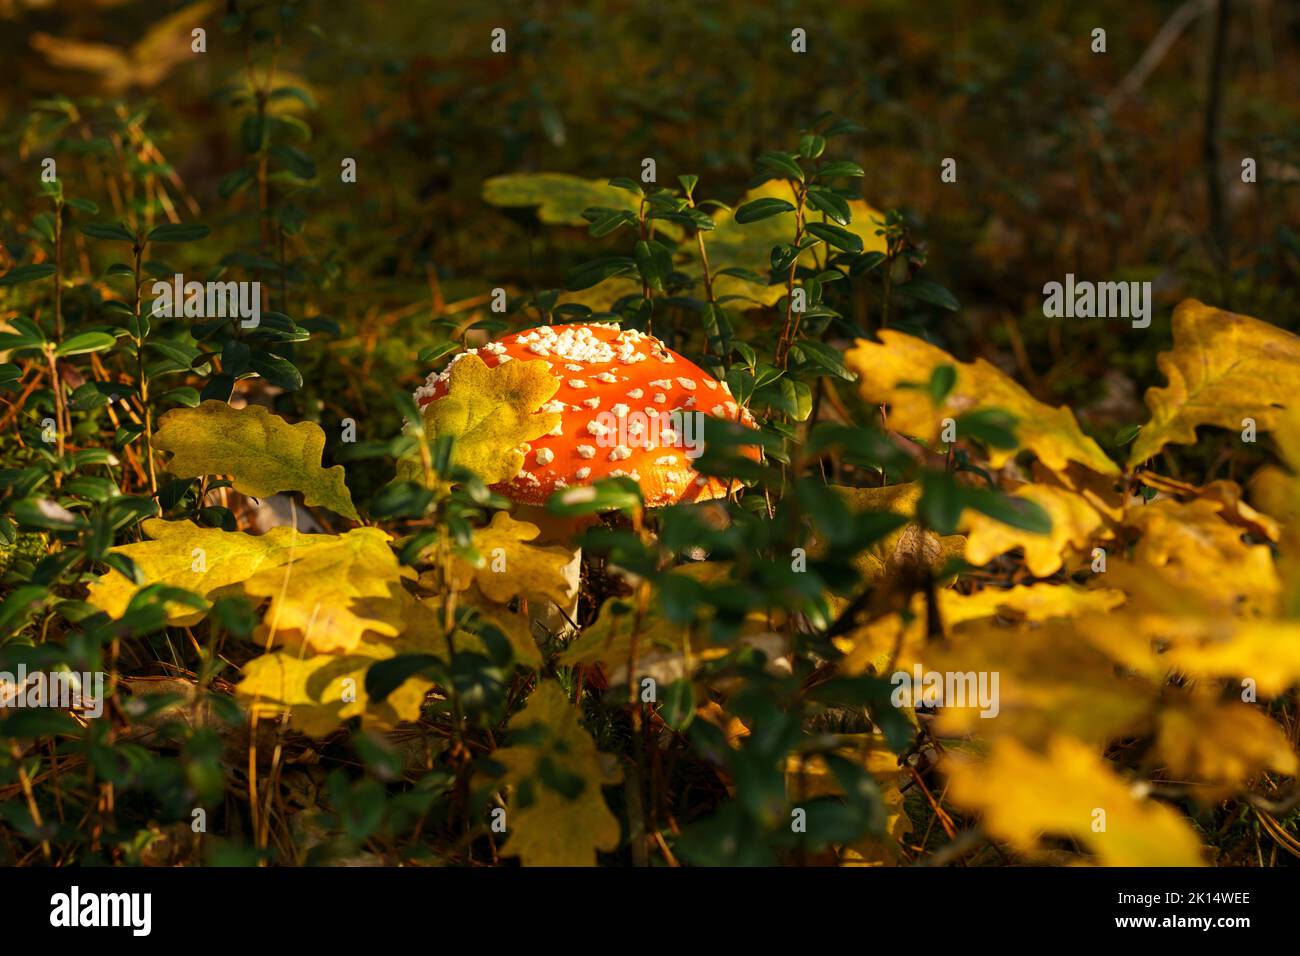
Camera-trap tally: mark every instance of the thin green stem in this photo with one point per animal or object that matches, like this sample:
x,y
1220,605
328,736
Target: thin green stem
x,y
142,377
61,420
787,332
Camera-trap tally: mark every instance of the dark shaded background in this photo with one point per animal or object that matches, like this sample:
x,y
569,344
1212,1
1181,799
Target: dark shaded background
x,y
1068,161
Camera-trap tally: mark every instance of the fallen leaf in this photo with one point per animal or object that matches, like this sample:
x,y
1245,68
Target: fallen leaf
x,y
1223,368
1264,652
321,691
1277,490
329,596
1227,493
909,548
891,642
509,567
208,561
516,628
1075,524
1038,681
731,244
492,413
1224,743
1064,792
557,814
1031,603
897,368
815,779
261,452
558,197
1198,550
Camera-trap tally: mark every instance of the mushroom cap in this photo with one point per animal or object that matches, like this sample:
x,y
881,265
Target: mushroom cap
x,y
630,407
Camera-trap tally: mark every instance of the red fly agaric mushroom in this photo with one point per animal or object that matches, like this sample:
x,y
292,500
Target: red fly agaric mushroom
x,y
630,406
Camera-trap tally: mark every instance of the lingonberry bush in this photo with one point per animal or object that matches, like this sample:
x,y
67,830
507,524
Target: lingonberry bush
x,y
386,588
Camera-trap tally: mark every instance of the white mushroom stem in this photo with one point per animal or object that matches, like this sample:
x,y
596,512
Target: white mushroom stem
x,y
561,531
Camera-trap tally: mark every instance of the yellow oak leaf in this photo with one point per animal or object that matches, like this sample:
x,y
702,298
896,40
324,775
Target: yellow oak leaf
x,y
261,452
1223,368
1228,494
731,244
1123,636
1030,603
896,642
557,814
328,596
422,628
897,368
509,567
321,691
1164,602
1106,493
911,546
666,651
1201,552
491,413
517,628
1277,490
1075,524
1199,626
560,198
1223,743
1266,652
1069,791
208,561
1037,682
811,778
